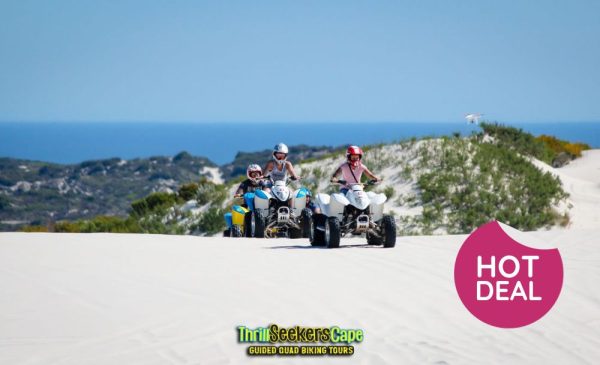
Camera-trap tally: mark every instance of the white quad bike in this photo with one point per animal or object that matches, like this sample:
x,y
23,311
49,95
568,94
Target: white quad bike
x,y
356,212
280,213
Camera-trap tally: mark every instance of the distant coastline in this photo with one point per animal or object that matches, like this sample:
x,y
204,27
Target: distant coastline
x,y
73,142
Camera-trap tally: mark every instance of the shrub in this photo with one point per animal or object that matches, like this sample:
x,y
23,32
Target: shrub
x,y
4,203
188,191
520,141
558,146
209,192
389,191
110,224
211,221
152,202
66,227
34,228
497,183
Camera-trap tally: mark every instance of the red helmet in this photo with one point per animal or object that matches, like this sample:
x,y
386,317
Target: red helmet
x,y
354,150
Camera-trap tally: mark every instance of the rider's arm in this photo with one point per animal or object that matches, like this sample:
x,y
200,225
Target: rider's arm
x,y
336,174
370,174
267,169
240,190
291,170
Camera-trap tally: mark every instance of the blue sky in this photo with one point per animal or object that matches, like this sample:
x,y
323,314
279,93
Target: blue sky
x,y
299,60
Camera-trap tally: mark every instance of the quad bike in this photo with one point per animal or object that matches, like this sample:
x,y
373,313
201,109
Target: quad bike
x,y
355,212
236,219
279,213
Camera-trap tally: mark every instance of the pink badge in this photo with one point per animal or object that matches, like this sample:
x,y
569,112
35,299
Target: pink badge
x,y
503,282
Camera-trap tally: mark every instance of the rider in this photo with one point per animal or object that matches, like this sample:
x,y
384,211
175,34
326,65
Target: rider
x,y
352,169
310,204
252,183
278,168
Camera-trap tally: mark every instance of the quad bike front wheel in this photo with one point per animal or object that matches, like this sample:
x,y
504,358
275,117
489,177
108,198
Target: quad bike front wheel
x,y
257,224
389,231
332,232
317,236
248,231
236,231
306,223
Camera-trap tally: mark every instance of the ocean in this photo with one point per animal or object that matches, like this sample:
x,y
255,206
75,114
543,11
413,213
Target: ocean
x,y
73,142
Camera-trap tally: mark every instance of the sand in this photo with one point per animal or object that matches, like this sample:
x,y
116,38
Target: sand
x,y
154,299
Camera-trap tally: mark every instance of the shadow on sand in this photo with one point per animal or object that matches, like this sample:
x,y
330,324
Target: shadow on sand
x,y
309,247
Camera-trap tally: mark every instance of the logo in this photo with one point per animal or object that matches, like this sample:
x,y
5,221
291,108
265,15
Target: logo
x,y
318,341
503,282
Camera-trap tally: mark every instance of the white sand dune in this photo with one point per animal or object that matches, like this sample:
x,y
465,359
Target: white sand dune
x,y
152,299
581,179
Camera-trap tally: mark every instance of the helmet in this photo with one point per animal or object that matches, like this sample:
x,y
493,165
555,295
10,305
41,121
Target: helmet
x,y
253,168
354,150
280,148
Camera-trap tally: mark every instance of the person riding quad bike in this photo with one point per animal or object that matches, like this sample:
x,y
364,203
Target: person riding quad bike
x,y
353,211
277,169
310,204
246,189
252,183
352,170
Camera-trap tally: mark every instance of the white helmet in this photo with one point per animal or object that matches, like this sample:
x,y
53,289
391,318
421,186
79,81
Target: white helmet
x,y
280,148
253,168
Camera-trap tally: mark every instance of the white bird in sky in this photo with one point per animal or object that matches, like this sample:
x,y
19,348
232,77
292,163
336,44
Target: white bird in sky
x,y
473,118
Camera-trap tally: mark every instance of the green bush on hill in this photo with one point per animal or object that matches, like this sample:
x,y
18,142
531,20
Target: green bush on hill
x,y
519,141
154,201
188,191
475,182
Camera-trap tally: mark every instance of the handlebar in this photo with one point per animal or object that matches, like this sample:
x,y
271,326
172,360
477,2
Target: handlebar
x,y
368,183
287,179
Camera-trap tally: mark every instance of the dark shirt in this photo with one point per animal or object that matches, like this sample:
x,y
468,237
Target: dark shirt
x,y
248,186
312,206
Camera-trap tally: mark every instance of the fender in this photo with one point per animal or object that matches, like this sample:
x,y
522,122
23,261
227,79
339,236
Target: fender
x,y
377,198
237,215
322,199
377,201
228,219
336,206
261,201
249,199
340,198
299,200
261,194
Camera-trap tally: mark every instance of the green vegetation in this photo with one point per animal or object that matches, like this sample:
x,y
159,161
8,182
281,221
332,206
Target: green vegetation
x,y
100,224
470,183
389,191
158,213
460,183
153,202
188,191
39,190
519,141
211,193
211,222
